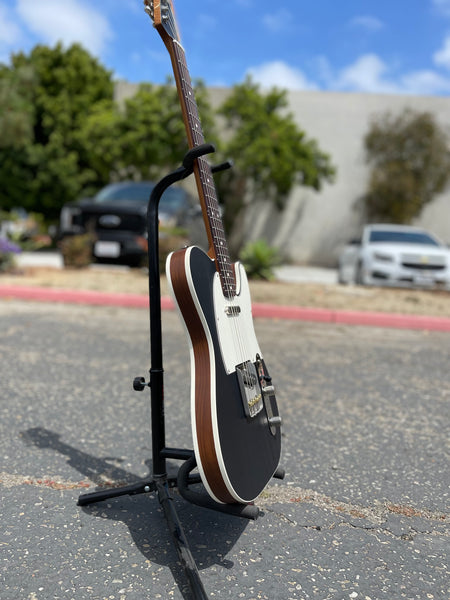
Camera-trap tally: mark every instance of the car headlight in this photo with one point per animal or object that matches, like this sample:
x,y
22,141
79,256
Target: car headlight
x,y
383,257
68,213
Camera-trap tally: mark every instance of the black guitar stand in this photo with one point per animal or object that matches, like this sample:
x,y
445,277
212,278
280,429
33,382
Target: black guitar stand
x,y
160,482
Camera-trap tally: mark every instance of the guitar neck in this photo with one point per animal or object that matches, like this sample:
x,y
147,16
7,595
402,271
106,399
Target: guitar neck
x,y
204,179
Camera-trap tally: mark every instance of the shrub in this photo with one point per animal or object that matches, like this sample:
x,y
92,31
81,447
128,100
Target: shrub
x,y
259,259
7,251
77,250
409,154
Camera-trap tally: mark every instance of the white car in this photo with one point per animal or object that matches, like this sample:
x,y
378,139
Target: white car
x,y
397,255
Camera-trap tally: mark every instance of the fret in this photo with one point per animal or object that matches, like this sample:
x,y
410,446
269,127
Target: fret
x,y
205,182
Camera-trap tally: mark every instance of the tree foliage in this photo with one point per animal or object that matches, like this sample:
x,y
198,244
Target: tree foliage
x,y
43,167
16,103
271,153
64,136
410,160
144,138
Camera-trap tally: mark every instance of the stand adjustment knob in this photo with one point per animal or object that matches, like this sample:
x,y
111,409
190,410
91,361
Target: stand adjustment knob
x,y
139,384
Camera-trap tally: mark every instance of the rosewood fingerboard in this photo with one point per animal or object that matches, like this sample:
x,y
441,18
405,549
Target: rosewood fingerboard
x,y
204,178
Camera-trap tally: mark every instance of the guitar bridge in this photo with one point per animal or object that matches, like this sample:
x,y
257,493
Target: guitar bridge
x,y
252,399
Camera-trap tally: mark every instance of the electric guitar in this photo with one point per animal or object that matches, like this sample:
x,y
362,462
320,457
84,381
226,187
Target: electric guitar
x,y
234,414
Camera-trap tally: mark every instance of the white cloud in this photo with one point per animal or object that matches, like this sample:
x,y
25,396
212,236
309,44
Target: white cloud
x,y
367,22
281,75
369,73
442,56
69,21
366,74
425,82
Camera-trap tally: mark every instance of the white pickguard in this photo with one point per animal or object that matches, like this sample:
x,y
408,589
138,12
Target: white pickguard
x,y
234,322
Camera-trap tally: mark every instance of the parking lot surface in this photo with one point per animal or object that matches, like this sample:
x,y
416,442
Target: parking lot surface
x,y
362,512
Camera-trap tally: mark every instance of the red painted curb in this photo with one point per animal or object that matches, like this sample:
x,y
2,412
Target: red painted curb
x,y
344,317
270,311
73,296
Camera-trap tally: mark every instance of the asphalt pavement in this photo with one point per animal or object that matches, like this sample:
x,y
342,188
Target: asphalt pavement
x,y
362,513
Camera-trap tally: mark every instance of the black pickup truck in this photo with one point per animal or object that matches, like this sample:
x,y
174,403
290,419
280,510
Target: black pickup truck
x,y
116,218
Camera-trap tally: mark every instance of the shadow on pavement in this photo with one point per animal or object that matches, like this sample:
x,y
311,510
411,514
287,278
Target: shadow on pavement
x,y
211,535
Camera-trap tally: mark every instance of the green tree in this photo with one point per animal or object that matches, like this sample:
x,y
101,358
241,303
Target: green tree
x,y
44,166
271,153
17,131
154,138
64,136
143,139
409,157
16,102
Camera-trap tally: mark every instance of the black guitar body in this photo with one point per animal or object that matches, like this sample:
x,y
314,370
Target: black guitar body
x,y
235,422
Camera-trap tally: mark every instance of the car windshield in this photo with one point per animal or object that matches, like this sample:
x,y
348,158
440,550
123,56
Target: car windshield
x,y
402,237
171,201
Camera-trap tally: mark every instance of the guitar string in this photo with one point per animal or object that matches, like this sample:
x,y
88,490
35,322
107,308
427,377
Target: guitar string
x,y
215,221
228,278
214,218
212,209
210,191
212,212
208,187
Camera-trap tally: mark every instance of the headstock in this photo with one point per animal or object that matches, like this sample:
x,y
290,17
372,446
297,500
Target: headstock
x,y
162,14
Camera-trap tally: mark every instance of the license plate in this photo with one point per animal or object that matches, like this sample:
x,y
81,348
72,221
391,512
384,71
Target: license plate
x,y
107,249
423,280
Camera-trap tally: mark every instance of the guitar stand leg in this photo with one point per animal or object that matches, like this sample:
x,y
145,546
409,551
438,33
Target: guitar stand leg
x,y
161,486
140,487
180,542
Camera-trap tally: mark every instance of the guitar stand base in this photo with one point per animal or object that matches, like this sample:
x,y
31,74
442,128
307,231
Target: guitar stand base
x,y
161,485
182,481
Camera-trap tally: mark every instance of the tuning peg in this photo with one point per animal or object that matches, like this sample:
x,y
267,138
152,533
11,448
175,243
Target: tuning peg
x,y
149,8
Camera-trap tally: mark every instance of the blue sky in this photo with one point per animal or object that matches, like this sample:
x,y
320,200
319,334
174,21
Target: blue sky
x,y
379,46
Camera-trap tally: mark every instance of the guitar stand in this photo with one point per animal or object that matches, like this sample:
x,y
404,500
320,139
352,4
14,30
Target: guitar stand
x,y
160,482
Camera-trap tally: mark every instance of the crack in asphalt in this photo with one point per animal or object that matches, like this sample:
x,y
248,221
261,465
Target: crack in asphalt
x,y
376,515
363,517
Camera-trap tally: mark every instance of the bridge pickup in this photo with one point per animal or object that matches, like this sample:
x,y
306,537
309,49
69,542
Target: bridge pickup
x,y
232,311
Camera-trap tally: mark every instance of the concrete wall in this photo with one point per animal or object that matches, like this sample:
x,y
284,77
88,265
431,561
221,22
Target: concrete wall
x,y
315,225
339,122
